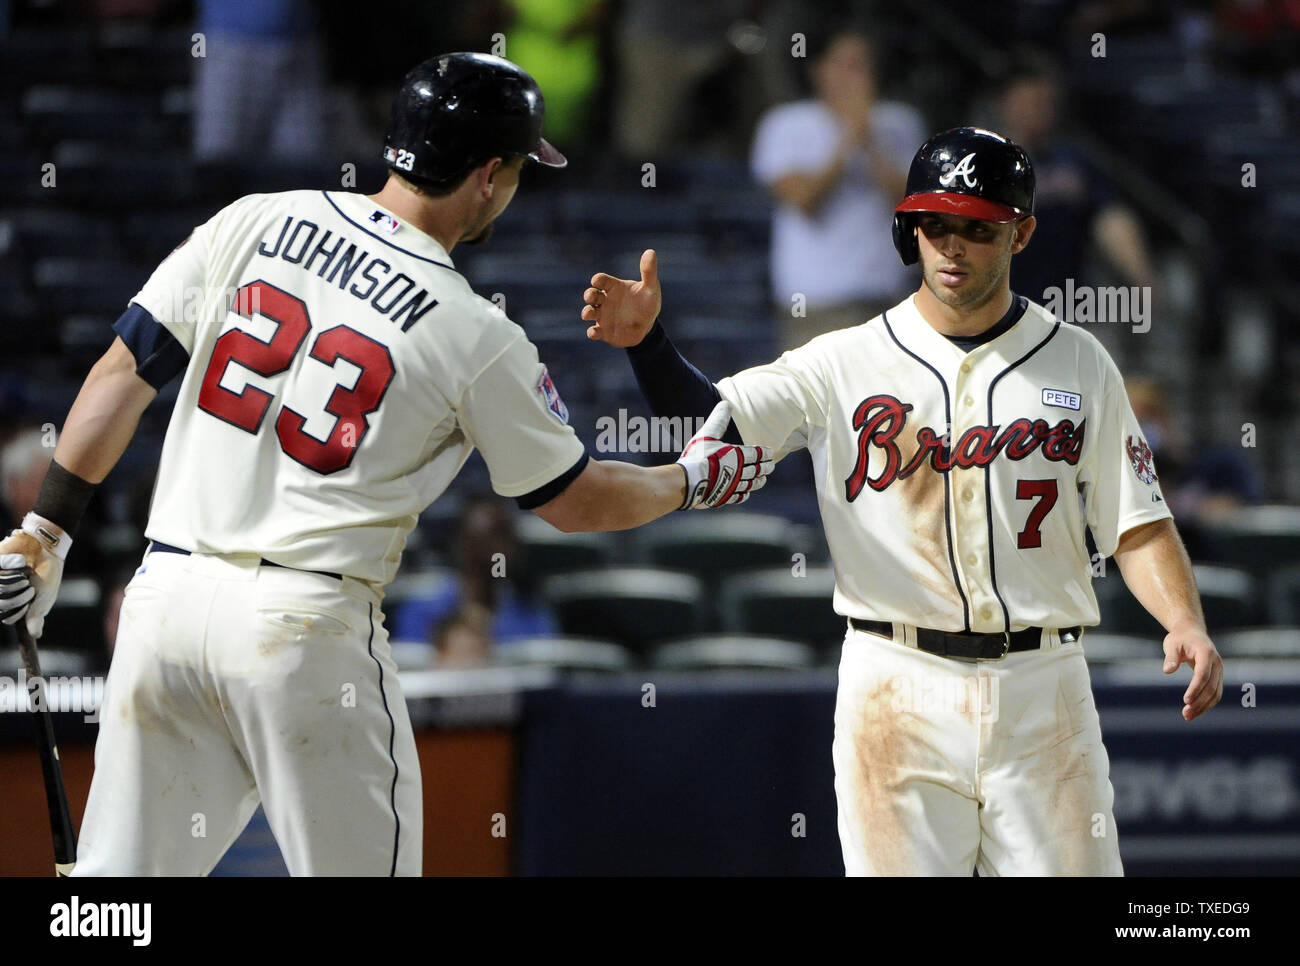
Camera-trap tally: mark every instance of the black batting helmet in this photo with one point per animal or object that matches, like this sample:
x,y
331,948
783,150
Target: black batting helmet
x,y
967,171
455,111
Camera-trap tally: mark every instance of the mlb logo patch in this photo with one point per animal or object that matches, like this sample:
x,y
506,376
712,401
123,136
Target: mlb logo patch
x,y
384,221
1139,455
551,396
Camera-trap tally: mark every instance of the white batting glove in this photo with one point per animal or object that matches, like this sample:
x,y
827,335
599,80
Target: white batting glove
x,y
719,473
16,590
31,559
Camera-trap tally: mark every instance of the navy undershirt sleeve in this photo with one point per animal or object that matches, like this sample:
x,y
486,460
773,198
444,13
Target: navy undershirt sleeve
x,y
671,385
159,358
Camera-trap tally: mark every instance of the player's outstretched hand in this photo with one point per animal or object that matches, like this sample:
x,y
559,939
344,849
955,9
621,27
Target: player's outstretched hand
x,y
1191,645
622,311
719,473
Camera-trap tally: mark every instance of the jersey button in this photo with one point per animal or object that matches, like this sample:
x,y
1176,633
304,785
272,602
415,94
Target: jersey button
x,y
972,559
987,613
968,494
968,401
965,367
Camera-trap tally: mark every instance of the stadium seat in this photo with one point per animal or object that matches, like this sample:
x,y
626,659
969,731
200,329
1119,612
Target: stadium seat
x,y
1284,596
44,233
69,286
1281,642
1117,648
138,178
76,622
94,113
778,603
1228,596
733,652
565,653
631,606
548,552
1258,539
607,213
712,545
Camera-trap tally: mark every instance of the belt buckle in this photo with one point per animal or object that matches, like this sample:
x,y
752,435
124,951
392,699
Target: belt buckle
x,y
1006,646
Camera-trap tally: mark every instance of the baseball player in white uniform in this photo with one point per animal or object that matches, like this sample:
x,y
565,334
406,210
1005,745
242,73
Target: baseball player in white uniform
x,y
336,373
962,443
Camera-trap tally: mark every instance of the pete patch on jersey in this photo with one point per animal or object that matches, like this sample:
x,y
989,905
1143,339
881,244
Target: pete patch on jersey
x,y
551,396
1139,455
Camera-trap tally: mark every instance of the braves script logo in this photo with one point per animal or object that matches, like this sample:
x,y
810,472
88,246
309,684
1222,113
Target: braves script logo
x,y
880,420
965,167
1139,454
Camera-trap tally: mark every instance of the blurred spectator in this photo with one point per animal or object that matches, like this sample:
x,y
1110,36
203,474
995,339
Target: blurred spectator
x,y
23,463
836,164
680,63
487,557
463,638
1074,203
557,42
1203,481
260,90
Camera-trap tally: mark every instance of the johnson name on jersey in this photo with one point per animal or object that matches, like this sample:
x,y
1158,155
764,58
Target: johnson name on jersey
x,y
338,372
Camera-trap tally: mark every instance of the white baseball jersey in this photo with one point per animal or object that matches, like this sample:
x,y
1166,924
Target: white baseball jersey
x,y
955,486
340,373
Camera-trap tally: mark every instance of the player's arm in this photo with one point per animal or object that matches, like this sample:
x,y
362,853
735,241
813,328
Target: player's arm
x,y
95,434
1119,235
807,191
104,417
612,495
1156,568
622,313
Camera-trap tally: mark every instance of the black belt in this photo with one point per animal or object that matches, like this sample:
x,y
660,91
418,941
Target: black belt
x,y
977,646
154,545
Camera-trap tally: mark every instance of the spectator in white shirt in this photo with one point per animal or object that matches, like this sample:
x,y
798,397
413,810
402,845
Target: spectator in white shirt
x,y
836,165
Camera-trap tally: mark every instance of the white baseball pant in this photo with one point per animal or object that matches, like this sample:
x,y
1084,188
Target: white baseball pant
x,y
943,766
233,681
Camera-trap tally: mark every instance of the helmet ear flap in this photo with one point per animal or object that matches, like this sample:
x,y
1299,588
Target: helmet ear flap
x,y
905,239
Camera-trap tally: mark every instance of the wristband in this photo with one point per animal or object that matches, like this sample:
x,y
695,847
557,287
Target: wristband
x,y
63,498
46,531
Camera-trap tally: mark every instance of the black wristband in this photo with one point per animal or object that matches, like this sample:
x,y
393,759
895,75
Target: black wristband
x,y
63,498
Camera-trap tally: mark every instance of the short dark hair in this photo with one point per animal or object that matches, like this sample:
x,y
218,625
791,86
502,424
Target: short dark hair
x,y
441,189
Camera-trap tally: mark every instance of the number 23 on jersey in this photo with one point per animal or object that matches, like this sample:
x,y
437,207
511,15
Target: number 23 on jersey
x,y
247,408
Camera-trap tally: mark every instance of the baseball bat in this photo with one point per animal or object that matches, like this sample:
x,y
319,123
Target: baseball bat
x,y
56,796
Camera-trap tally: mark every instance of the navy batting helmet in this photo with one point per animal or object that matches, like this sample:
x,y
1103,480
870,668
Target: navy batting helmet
x,y
969,172
455,111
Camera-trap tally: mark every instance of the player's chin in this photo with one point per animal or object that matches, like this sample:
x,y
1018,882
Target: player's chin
x,y
481,237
